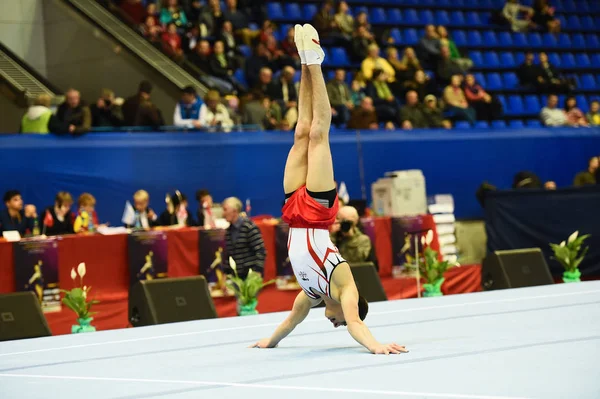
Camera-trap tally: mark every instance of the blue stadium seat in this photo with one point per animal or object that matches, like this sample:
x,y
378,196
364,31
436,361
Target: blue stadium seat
x,y
410,37
245,50
411,17
474,38
532,104
493,81
292,11
519,40
462,125
491,60
578,41
481,125
505,39
568,61
426,17
459,37
515,105
476,57
339,57
582,103
588,82
534,123
595,59
569,6
591,41
564,41
240,75
442,18
510,80
377,16
549,40
472,19
499,124
573,22
534,40
507,59
274,11
394,16
489,39
554,59
598,77
516,124
282,33
457,18
309,11
583,61
519,57
504,103
396,35
480,78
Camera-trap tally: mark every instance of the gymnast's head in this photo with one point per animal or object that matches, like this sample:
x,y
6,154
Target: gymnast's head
x,y
335,314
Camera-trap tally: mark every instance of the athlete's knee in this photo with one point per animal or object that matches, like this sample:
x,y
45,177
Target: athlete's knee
x,y
318,131
302,130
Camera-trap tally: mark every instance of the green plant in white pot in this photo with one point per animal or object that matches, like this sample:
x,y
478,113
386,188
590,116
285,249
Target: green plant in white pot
x,y
246,291
569,256
76,299
431,268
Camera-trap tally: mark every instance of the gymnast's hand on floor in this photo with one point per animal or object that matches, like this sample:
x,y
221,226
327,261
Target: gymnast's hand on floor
x,y
263,343
386,349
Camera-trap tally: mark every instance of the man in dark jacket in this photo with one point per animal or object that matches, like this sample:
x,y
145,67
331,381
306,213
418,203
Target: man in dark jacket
x,y
14,217
74,114
138,110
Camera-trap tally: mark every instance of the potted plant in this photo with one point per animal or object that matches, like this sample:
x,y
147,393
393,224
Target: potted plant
x,y
567,254
432,269
76,300
246,291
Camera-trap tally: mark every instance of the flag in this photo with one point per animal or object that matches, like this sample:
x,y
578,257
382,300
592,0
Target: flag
x,y
248,206
128,214
48,219
343,193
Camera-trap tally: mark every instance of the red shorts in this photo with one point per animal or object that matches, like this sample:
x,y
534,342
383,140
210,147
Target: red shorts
x,y
301,210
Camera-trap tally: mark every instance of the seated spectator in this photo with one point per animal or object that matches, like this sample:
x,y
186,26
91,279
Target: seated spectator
x,y
383,98
405,69
177,213
354,245
213,114
487,108
193,9
593,116
201,57
362,20
211,19
575,117
260,110
107,112
434,114
62,218
283,91
550,79
324,21
39,117
190,40
361,42
187,110
267,30
220,65
144,217
265,78
243,239
152,12
86,219
446,40
357,93
276,55
587,177
240,22
204,214
529,74
553,116
339,98
74,113
172,43
171,12
288,46
429,47
138,110
375,61
344,20
544,16
231,46
364,117
14,217
254,65
152,31
411,114
550,185
512,11
456,102
447,67
420,83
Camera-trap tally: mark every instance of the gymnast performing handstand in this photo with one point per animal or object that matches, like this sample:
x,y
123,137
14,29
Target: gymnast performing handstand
x,y
311,207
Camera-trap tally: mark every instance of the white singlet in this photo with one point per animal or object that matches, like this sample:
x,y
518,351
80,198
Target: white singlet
x,y
314,258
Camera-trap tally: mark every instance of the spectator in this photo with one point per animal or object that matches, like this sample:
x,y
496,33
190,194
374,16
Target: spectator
x,y
550,185
411,114
86,219
528,73
429,46
201,57
39,117
374,61
283,91
288,46
152,31
553,116
190,40
324,21
14,217
138,110
204,214
193,11
213,114
434,115
339,98
550,79
587,177
260,110
152,12
278,58
456,101
487,108
267,30
420,83
187,110
231,45
133,10
61,215
383,98
362,20
220,65
265,79
512,10
172,13
243,240
346,235
107,112
254,65
343,19
177,213
593,116
74,113
361,42
172,43
357,93
445,40
544,16
239,21
364,117
211,19
447,67
145,217
575,117
405,69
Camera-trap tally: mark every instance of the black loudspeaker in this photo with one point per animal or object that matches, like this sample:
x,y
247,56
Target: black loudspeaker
x,y
21,317
368,282
170,300
515,269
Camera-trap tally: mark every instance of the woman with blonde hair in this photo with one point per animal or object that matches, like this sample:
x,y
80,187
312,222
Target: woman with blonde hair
x,y
214,114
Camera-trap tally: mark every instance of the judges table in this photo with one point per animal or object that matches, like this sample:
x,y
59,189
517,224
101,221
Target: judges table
x,y
108,274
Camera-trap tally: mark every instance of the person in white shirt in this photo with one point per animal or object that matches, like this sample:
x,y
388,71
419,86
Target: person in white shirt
x,y
214,114
553,116
187,110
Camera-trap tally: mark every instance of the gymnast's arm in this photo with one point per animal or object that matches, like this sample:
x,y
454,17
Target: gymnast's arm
x,y
302,305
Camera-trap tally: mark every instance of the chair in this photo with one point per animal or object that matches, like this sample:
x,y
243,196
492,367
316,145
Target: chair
x,y
377,16
516,106
339,57
534,123
489,39
532,104
554,59
426,17
410,37
309,11
582,103
591,41
481,125
442,18
505,39
394,16
507,60
245,50
549,40
587,23
491,60
274,11
480,78
573,22
568,61
510,80
520,40
578,41
564,41
410,17
583,61
462,125
534,40
476,57
472,18
459,37
292,11
498,125
516,124
396,35
457,18
474,38
493,81
588,82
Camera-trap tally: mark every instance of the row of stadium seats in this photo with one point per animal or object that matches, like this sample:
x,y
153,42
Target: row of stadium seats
x,y
531,104
506,60
410,16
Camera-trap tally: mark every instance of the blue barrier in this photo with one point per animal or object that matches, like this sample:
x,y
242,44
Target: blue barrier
x,y
250,164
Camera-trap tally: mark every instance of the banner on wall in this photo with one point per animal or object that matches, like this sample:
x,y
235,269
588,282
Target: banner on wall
x,y
368,227
214,261
406,237
147,253
286,280
36,269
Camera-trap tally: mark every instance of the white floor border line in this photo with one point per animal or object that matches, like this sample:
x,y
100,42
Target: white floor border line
x,y
262,386
217,330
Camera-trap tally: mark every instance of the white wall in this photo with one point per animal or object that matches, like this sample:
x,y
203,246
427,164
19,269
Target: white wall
x,y
22,31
